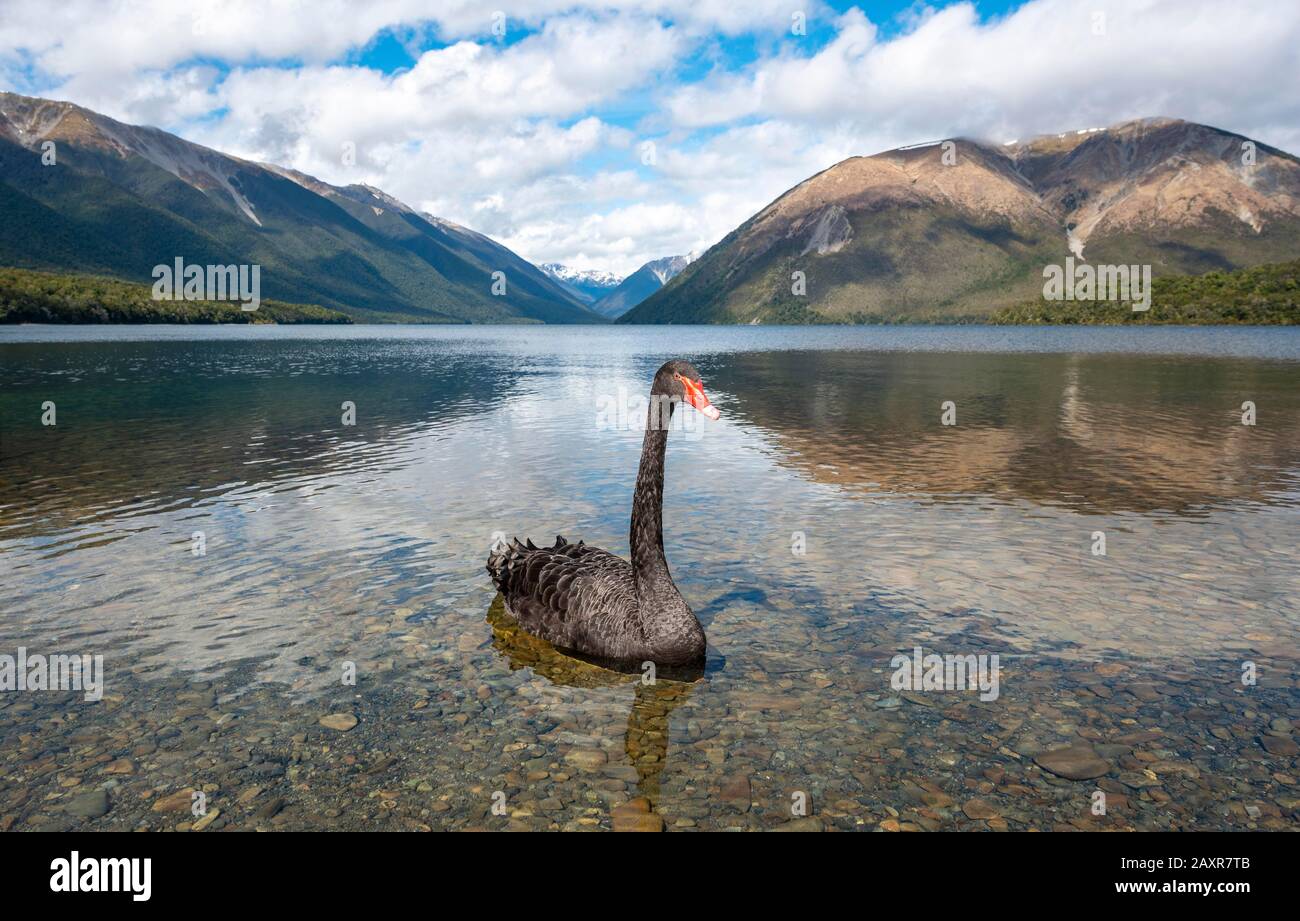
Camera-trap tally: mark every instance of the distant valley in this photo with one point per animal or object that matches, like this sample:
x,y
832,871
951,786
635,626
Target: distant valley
x,y
611,296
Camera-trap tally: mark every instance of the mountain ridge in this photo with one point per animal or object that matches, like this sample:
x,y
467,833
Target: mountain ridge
x,y
964,227
589,285
120,199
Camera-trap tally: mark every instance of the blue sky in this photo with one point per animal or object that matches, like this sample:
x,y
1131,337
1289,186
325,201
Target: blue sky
x,y
398,48
604,135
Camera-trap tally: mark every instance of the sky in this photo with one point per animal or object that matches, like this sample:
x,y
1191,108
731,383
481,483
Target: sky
x,y
603,135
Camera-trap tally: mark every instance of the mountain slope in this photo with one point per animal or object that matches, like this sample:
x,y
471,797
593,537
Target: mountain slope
x,y
642,283
905,235
121,199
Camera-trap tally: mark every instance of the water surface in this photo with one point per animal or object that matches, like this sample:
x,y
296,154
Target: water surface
x,y
828,522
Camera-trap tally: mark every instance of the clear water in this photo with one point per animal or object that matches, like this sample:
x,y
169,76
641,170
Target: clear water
x,y
329,544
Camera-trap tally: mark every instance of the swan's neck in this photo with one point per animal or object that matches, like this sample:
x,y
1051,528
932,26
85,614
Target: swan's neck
x,y
653,580
672,632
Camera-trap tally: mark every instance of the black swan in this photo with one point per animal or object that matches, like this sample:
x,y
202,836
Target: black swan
x,y
590,601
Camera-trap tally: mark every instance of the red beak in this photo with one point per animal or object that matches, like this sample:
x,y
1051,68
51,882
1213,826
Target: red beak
x,y
695,396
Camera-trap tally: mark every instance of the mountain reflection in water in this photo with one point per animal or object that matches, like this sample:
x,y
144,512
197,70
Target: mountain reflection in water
x,y
1094,434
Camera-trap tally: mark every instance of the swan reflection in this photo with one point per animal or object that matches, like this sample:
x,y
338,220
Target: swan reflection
x,y
646,739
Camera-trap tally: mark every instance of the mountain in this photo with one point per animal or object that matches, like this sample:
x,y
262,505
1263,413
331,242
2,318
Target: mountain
x,y
642,283
588,285
904,235
120,199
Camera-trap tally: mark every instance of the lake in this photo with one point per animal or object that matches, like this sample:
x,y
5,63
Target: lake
x,y
1098,517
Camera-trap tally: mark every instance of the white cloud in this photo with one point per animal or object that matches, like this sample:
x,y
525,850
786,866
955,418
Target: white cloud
x,y
530,139
1040,69
75,37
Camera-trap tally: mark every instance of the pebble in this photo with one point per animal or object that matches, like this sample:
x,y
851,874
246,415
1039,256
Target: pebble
x,y
1279,746
736,792
635,815
586,759
1077,762
270,809
179,801
806,823
978,809
1138,780
936,800
204,821
90,805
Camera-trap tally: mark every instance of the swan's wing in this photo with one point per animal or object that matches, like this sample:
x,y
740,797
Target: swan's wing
x,y
571,595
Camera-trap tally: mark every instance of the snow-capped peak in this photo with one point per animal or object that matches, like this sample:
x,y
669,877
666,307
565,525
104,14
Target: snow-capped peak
x,y
583,276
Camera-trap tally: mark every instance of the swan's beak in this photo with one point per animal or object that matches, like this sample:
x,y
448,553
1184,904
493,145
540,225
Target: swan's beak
x,y
695,396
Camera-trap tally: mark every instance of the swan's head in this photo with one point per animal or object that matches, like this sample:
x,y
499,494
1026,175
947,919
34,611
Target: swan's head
x,y
679,380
